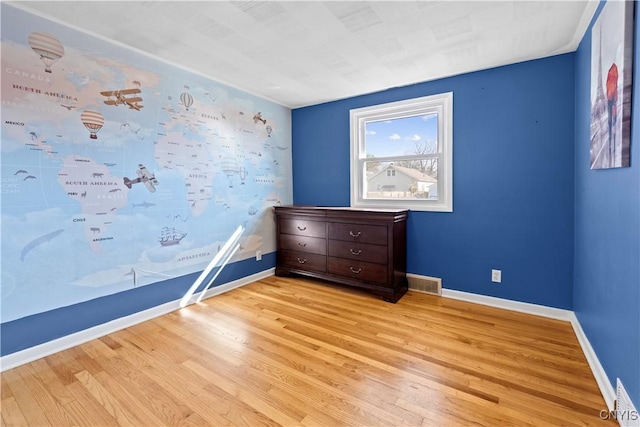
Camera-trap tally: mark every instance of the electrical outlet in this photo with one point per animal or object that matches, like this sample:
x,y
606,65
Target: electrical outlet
x,y
496,276
258,255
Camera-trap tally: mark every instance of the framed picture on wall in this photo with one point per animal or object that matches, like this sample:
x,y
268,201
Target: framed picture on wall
x,y
611,81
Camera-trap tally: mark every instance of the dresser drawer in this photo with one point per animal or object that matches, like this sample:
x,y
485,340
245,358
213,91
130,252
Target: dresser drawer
x,y
302,260
292,242
365,271
375,234
358,251
303,227
355,247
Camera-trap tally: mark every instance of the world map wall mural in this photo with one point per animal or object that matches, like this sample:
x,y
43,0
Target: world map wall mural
x,y
120,170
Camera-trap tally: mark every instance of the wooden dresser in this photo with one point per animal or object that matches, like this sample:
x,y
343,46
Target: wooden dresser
x,y
357,247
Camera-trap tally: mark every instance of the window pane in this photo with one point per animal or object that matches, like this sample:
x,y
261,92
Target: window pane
x,y
402,136
409,179
401,154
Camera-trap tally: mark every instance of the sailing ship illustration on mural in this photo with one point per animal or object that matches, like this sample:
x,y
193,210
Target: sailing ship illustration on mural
x,y
170,236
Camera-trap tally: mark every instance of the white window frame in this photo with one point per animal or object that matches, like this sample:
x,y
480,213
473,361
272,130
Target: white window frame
x,y
442,105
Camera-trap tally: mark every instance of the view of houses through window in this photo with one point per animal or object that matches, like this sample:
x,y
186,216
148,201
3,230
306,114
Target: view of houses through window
x,y
402,154
413,143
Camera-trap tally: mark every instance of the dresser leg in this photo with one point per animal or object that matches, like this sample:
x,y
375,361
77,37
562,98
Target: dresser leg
x,y
394,295
282,272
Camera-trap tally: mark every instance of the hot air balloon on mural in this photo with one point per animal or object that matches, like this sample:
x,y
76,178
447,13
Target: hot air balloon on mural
x,y
186,99
269,130
48,47
243,174
230,167
93,121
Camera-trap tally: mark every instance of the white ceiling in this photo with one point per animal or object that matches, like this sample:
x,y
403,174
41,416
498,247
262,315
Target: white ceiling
x,y
300,53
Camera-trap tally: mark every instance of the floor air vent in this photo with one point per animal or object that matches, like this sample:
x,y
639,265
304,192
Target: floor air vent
x,y
625,413
426,284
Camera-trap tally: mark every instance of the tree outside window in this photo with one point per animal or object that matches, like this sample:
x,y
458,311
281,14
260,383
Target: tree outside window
x,y
402,154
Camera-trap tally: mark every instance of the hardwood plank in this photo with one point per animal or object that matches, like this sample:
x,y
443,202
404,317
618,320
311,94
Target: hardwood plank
x,y
129,399
109,342
287,369
183,387
51,406
436,415
106,400
85,410
51,381
5,391
291,351
315,411
11,413
554,380
235,411
336,381
64,367
97,348
196,420
149,393
87,362
32,412
249,395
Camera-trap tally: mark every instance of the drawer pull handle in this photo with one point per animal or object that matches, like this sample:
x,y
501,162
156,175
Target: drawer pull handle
x,y
355,234
302,245
302,228
354,271
302,261
358,252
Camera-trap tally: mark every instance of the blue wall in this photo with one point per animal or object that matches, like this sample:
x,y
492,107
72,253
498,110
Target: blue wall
x,y
513,179
607,239
40,328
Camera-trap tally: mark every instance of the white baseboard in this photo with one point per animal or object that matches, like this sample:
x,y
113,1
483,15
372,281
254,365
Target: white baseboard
x,y
522,307
606,388
39,351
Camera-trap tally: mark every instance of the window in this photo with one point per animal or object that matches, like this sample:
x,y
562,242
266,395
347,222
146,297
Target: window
x,y
402,154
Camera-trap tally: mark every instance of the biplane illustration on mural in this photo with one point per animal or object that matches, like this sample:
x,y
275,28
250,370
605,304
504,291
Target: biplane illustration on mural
x,y
144,176
123,97
258,118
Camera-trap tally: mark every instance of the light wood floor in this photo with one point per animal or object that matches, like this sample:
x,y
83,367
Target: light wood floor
x,y
297,352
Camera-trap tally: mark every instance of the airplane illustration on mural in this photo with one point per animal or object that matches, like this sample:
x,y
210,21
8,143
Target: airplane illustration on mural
x,y
144,176
258,118
121,97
